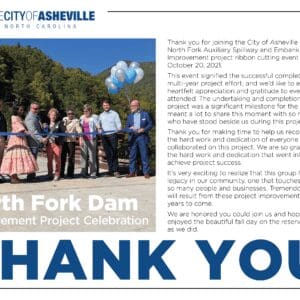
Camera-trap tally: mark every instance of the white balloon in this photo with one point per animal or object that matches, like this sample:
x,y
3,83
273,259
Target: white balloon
x,y
122,65
108,81
139,75
134,65
112,86
120,74
113,70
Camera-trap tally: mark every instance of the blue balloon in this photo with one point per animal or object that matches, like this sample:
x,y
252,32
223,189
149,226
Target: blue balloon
x,y
116,82
113,91
112,88
130,75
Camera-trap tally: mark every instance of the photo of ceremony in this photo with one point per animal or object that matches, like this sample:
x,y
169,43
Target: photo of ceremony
x,y
77,116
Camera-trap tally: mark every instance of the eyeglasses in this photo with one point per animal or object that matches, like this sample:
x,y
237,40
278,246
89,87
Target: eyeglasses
x,y
35,108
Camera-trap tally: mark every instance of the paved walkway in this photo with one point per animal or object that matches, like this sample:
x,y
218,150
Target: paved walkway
x,y
102,204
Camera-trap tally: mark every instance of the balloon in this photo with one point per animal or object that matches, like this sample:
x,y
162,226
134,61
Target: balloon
x,y
130,75
122,65
113,91
117,82
112,88
120,74
108,80
134,65
139,75
113,70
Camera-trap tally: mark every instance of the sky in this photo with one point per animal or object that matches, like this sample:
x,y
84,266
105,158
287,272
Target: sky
x,y
92,55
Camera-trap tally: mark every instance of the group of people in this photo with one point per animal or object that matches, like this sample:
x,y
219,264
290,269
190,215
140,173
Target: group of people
x,y
59,136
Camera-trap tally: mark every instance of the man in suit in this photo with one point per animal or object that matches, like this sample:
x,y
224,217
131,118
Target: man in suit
x,y
36,140
138,125
3,128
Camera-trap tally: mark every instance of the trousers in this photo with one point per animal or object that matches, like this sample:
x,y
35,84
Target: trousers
x,y
2,146
54,151
110,145
88,157
139,143
68,150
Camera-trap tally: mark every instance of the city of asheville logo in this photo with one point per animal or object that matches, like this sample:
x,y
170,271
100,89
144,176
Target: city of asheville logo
x,y
10,16
53,20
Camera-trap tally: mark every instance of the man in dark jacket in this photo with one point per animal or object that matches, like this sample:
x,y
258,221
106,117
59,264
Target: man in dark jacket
x,y
36,139
3,128
138,125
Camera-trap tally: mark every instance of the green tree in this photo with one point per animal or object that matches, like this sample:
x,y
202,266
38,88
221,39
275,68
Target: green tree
x,y
40,91
57,83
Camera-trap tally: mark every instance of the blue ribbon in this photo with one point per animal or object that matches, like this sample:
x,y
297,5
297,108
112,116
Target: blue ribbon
x,y
64,134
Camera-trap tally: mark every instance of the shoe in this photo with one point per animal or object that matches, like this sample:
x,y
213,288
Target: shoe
x,y
93,177
56,178
69,177
105,175
84,175
32,180
15,181
147,176
2,179
117,175
130,175
50,177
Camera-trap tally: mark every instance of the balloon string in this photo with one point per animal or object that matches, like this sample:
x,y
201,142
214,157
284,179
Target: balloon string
x,y
126,94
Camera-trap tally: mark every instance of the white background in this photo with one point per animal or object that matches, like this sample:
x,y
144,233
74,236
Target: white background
x,y
184,258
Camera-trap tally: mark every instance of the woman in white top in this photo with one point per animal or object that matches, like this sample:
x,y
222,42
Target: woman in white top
x,y
88,142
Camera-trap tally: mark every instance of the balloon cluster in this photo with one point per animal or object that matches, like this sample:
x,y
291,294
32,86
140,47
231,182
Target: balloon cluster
x,y
122,74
